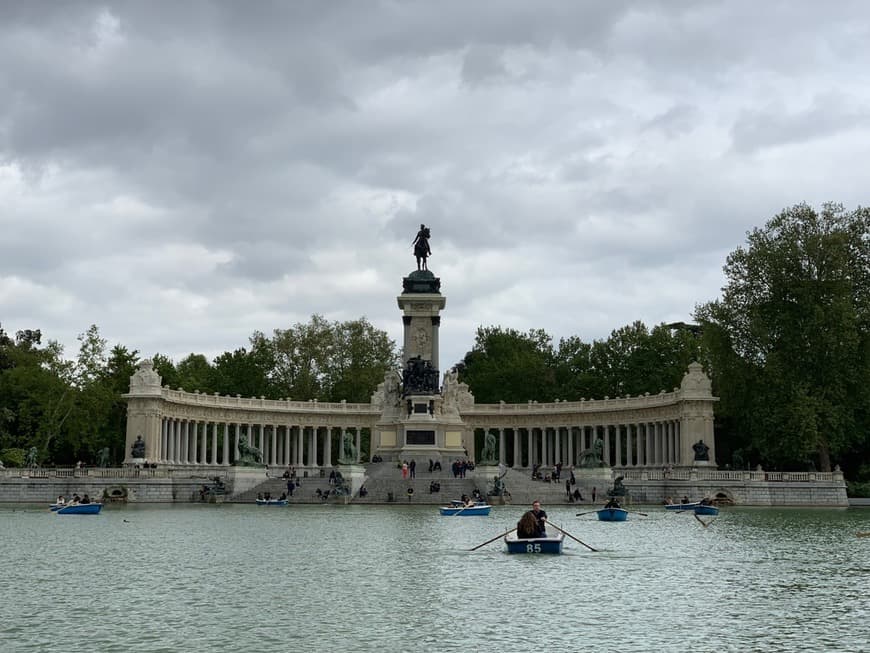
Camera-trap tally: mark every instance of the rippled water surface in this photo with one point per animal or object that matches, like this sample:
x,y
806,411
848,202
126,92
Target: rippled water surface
x,y
364,578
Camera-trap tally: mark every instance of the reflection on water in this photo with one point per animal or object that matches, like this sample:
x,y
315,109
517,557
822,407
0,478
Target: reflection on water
x,y
248,578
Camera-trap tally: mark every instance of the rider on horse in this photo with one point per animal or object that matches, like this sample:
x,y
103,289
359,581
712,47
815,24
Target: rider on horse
x,y
421,247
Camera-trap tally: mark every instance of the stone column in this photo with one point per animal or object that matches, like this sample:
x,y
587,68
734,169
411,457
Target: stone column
x,y
203,445
571,456
606,428
358,441
273,460
236,431
518,452
502,445
214,443
313,454
164,425
225,449
286,460
557,445
327,447
530,459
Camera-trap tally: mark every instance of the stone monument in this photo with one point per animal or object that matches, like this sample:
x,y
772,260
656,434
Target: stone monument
x,y
420,419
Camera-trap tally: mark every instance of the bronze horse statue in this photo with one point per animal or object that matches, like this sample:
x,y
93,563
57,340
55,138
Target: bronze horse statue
x,y
421,247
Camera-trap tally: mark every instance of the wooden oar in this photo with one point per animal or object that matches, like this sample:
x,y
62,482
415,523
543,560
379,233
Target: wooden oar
x,y
703,523
571,536
867,534
460,510
588,512
493,539
632,512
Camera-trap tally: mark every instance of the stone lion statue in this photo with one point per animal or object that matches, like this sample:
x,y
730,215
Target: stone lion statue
x,y
248,456
591,457
348,450
489,455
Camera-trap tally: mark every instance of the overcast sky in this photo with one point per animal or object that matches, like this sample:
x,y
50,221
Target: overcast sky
x,y
182,174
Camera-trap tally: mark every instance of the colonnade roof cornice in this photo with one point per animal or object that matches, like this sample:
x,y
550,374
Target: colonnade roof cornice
x,y
661,400
276,406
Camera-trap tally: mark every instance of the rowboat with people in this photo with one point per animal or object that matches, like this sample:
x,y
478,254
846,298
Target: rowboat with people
x,y
272,502
470,510
706,509
682,506
612,514
550,544
77,509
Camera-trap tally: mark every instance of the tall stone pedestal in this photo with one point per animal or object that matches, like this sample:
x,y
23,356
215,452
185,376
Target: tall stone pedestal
x,y
354,476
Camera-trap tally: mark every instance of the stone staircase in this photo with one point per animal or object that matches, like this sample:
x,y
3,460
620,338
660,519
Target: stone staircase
x,y
385,485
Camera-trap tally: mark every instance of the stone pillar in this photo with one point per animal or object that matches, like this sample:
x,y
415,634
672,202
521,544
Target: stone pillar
x,y
327,447
214,442
225,449
518,452
236,431
203,444
300,446
571,456
606,428
273,459
286,460
164,425
531,449
557,445
313,453
502,445
358,441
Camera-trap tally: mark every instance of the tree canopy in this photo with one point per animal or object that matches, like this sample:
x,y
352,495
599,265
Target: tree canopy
x,y
789,340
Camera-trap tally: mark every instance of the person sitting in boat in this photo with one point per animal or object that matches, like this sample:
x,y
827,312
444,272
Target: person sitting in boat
x,y
541,517
60,500
259,496
527,526
685,499
669,501
283,496
76,499
706,501
86,499
612,503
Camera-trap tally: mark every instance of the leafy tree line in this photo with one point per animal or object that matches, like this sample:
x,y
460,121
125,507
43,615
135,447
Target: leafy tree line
x,y
71,409
787,346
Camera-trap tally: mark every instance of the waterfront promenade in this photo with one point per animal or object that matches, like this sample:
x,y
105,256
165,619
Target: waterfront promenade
x,y
383,480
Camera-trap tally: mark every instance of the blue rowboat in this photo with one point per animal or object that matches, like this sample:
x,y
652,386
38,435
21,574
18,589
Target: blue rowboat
x,y
469,511
80,509
612,514
534,545
681,506
458,503
706,510
272,502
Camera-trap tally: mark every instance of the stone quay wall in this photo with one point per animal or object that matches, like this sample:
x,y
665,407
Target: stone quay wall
x,y
742,488
136,486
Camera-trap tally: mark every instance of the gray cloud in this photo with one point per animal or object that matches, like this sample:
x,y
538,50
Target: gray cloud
x,y
185,174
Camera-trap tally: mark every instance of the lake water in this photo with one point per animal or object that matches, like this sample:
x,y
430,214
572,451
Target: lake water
x,y
368,578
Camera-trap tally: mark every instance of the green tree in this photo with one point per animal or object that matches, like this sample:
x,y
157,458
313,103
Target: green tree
x,y
506,365
195,373
245,373
788,340
326,360
360,356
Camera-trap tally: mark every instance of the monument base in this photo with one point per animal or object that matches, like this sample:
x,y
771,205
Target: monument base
x,y
354,476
